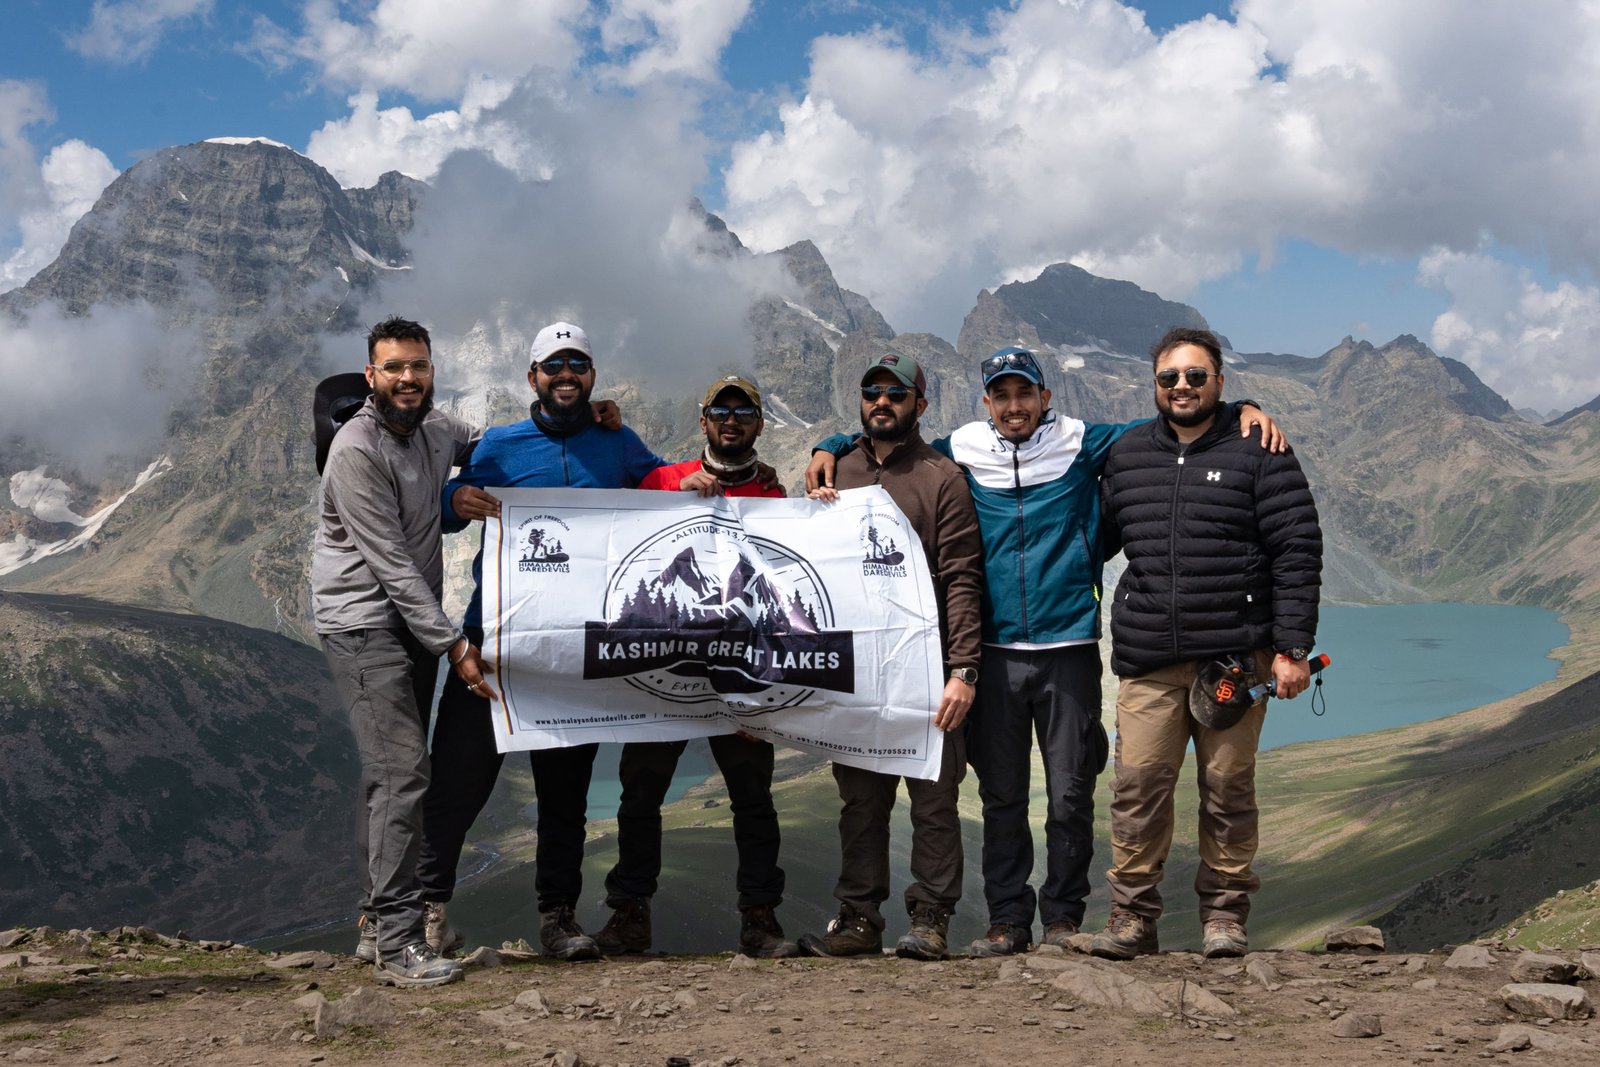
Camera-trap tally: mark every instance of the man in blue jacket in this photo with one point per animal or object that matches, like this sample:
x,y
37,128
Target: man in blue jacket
x,y
1034,476
559,444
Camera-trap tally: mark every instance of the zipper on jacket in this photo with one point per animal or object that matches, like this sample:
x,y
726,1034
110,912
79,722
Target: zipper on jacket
x,y
1088,557
1172,550
1022,542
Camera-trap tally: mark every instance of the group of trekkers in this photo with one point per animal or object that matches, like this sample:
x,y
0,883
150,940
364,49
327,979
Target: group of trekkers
x,y
1016,514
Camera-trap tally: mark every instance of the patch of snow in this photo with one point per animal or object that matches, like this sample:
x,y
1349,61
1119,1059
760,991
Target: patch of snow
x,y
342,275
45,497
183,196
820,321
367,257
779,414
40,491
248,140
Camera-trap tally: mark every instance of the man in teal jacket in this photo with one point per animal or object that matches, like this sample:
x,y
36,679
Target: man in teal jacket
x,y
1034,476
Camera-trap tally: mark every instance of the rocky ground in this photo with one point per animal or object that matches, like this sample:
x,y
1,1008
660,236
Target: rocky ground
x,y
136,997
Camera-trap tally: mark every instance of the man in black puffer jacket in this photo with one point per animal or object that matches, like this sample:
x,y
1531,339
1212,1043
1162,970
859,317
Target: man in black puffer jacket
x,y
1224,558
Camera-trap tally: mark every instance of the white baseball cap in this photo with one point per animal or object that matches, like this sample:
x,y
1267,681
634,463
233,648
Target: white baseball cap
x,y
558,337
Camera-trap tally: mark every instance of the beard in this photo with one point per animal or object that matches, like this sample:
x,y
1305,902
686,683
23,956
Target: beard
x,y
563,412
402,420
898,431
1201,413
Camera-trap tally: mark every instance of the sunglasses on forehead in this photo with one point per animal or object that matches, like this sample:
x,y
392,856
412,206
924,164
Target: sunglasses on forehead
x,y
895,393
1022,361
577,364
1194,377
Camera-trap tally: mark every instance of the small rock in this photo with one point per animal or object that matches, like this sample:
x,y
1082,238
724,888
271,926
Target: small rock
x,y
1589,961
1543,1040
1538,967
1352,1025
13,959
1355,939
1425,985
685,999
321,961
742,963
365,1007
566,1058
1263,973
532,1000
483,956
1545,1000
1511,1041
1470,957
15,936
29,1054
311,1002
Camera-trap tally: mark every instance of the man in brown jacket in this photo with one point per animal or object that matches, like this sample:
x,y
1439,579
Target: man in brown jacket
x,y
932,493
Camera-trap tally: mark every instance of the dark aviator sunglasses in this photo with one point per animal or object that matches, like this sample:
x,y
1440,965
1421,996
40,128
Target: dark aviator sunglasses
x,y
576,364
895,393
744,416
1194,377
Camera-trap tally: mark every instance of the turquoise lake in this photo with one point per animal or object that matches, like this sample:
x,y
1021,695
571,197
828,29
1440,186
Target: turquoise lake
x,y
1405,663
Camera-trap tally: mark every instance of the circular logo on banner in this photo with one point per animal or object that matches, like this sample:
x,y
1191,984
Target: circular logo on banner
x,y
704,611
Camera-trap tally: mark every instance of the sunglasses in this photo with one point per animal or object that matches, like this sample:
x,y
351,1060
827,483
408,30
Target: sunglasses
x,y
744,416
576,364
393,368
1194,377
1022,361
895,393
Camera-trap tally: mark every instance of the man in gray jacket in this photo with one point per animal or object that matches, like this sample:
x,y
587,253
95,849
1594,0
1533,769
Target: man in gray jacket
x,y
376,579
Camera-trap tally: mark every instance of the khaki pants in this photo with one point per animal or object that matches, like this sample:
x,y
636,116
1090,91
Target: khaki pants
x,y
1153,731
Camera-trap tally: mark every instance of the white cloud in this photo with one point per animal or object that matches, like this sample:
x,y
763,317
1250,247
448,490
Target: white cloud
x,y
655,38
39,201
432,50
597,234
372,140
85,390
1533,345
1072,132
126,31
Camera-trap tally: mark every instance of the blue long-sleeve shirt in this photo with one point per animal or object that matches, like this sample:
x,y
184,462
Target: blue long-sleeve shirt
x,y
524,455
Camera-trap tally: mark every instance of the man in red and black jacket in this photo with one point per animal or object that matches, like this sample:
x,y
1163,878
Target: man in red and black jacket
x,y
731,419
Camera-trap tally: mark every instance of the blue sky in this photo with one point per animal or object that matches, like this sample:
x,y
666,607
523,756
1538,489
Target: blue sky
x,y
1297,172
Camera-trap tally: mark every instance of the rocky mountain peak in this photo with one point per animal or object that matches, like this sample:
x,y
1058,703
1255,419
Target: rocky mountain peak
x,y
250,222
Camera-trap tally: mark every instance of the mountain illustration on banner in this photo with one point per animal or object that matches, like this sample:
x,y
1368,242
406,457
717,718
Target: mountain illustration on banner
x,y
683,595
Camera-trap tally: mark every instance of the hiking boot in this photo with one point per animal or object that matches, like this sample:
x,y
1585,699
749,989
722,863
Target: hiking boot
x,y
416,966
1224,939
1003,939
563,938
628,929
1126,935
1059,933
367,938
437,931
926,939
849,933
761,936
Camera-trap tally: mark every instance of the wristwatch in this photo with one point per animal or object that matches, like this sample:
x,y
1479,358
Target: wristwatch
x,y
1298,653
965,674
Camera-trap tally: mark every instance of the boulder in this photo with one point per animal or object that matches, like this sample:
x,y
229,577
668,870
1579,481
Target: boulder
x,y
1539,967
1354,939
1546,1000
365,1007
1470,957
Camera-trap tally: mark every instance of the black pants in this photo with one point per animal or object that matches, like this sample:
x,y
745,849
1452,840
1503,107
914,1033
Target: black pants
x,y
465,767
385,681
646,772
1056,694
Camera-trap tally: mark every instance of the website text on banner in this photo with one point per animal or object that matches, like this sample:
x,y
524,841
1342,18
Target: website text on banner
x,y
615,615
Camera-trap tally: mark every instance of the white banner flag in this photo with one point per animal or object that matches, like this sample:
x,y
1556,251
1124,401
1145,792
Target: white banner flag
x,y
619,615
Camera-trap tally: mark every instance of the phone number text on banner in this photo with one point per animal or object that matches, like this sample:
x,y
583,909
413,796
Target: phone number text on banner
x,y
619,615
